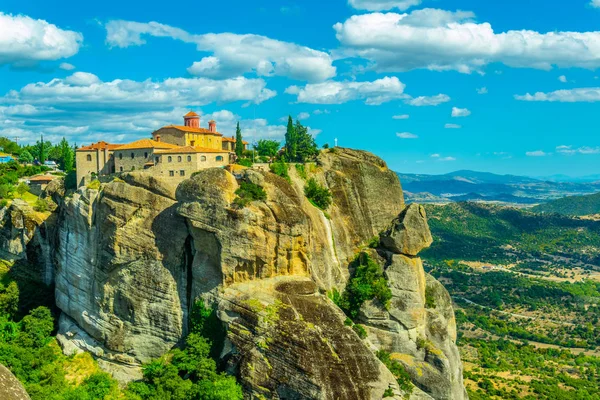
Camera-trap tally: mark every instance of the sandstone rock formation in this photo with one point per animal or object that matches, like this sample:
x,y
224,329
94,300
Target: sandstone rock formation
x,y
10,387
130,260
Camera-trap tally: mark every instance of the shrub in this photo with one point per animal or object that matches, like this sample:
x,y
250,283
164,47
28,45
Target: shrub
x,y
95,184
367,283
280,168
245,162
6,191
398,370
429,298
318,195
3,203
248,192
360,331
22,189
301,169
41,205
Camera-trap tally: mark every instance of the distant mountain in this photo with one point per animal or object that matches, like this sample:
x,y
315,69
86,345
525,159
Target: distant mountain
x,y
567,178
485,186
572,205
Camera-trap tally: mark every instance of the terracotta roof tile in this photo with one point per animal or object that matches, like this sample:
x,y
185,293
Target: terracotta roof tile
x,y
191,114
228,139
189,149
42,178
146,144
191,129
99,146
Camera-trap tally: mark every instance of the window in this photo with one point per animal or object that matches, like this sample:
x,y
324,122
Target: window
x,y
121,169
120,156
189,158
219,158
192,143
145,155
182,173
157,159
179,159
203,158
89,157
132,156
171,173
170,159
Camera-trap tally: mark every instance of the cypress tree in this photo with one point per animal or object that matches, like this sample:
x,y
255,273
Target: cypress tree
x,y
239,144
291,144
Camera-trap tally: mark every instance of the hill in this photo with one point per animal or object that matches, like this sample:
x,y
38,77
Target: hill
x,y
572,205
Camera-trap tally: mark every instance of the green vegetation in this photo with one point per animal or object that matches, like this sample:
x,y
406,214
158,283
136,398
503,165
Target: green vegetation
x,y
280,168
245,162
573,205
94,184
248,192
41,205
268,148
367,283
318,195
399,372
360,331
239,144
301,169
300,146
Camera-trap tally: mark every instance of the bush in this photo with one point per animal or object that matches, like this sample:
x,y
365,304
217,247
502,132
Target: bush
x,y
41,205
429,298
367,283
399,372
360,331
22,189
245,162
3,203
6,191
280,168
248,192
301,169
318,195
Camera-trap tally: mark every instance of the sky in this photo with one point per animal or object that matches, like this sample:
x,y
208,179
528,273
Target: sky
x,y
431,86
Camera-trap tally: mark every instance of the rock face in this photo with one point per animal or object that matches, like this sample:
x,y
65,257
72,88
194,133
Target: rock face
x,y
10,387
131,259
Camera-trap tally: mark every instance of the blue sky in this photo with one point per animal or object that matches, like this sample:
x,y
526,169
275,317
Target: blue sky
x,y
431,86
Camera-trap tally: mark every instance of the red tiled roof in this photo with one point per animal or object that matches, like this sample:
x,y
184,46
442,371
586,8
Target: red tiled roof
x,y
42,178
228,139
146,144
99,146
191,129
191,114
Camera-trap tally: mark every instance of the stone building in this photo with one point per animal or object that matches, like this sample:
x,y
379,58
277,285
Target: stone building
x,y
96,159
138,155
182,162
229,144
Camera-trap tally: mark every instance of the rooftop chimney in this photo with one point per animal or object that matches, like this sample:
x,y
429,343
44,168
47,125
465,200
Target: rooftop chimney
x,y
212,126
158,138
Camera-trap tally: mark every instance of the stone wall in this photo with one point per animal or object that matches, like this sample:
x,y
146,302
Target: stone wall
x,y
124,162
99,162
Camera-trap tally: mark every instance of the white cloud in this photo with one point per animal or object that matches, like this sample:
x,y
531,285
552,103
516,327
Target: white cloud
x,y
232,54
441,40
406,135
563,78
595,3
372,93
460,112
319,112
66,66
569,150
537,153
452,126
426,101
589,95
25,41
439,157
384,5
403,116
482,90
83,90
303,115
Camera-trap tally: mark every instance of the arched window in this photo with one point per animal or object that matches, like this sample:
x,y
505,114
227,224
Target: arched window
x,y
203,158
132,156
120,156
89,157
219,158
145,155
179,159
189,158
170,159
121,169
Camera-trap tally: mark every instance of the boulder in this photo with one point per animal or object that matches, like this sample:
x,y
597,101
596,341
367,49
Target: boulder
x,y
10,387
409,232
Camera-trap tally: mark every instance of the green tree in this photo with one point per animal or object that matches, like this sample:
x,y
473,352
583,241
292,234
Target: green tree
x,y
8,146
306,148
22,189
36,328
41,149
290,140
268,148
66,156
26,157
319,195
239,143
9,298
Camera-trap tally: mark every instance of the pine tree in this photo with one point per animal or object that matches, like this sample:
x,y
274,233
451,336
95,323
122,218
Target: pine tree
x,y
66,156
306,148
290,140
42,149
239,144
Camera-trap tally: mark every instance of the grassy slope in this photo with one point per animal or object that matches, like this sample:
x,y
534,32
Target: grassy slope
x,y
574,205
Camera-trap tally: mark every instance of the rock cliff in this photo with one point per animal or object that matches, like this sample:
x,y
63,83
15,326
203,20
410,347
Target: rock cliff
x,y
130,260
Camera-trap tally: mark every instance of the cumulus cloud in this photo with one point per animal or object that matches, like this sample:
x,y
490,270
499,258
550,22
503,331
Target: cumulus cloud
x,y
570,150
563,78
537,153
372,93
82,79
460,112
319,112
595,3
66,66
452,126
403,116
482,90
384,5
406,135
589,95
232,54
428,101
439,157
303,115
25,41
441,40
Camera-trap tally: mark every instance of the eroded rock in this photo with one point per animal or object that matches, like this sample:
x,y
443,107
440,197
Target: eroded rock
x,y
409,233
10,387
